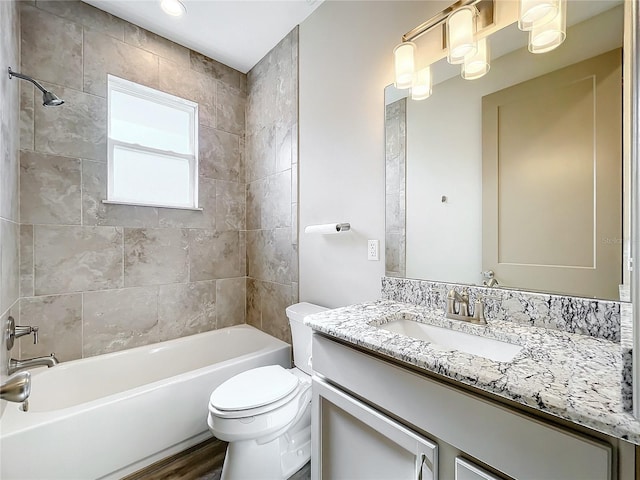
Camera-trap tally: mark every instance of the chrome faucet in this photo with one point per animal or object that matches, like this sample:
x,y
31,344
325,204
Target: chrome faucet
x,y
458,308
15,365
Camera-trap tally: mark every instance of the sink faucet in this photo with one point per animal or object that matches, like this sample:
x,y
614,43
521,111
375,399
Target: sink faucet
x,y
458,308
15,365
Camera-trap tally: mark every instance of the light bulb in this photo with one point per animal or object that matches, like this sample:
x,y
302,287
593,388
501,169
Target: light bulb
x,y
404,64
549,36
476,66
536,12
461,26
421,87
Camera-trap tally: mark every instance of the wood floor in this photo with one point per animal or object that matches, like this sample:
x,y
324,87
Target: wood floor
x,y
200,462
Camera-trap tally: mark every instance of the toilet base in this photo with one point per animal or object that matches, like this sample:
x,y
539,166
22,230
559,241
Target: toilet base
x,y
275,460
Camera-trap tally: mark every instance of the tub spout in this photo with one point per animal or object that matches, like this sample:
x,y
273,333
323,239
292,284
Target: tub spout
x,y
15,365
17,388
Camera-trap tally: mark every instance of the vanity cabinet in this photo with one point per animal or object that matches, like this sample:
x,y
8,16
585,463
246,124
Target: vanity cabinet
x,y
359,398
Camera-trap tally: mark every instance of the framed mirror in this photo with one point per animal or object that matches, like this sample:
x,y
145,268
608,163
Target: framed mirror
x,y
518,179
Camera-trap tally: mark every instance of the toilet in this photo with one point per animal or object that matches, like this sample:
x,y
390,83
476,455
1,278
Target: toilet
x,y
265,413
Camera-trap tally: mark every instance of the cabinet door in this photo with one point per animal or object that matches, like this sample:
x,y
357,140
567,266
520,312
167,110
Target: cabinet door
x,y
352,441
465,470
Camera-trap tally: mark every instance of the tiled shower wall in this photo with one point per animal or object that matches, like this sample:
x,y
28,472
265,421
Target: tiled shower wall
x,y
98,278
9,167
272,187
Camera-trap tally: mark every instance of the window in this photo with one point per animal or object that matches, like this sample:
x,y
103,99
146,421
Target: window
x,y
153,147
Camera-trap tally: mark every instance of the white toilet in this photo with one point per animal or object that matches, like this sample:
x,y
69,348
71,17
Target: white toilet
x,y
264,413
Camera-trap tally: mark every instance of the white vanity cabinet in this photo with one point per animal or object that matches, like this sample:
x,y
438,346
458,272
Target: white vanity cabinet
x,y
360,443
368,412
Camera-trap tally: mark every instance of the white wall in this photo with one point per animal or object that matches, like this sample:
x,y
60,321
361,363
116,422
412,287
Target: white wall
x,y
345,63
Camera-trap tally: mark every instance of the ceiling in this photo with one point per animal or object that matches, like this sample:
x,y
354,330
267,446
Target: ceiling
x,y
238,33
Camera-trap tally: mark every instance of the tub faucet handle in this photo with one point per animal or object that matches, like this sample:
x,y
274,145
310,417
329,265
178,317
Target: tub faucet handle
x,y
21,331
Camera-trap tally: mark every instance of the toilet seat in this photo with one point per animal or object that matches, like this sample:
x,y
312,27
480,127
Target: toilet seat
x,y
254,392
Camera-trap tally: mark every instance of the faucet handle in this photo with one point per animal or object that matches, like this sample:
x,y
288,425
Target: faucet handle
x,y
14,331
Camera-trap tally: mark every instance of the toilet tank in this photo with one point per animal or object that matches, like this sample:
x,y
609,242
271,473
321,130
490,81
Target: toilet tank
x,y
301,334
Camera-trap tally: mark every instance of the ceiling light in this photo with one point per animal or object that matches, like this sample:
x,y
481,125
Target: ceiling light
x,y
476,66
175,8
404,64
536,12
461,28
545,38
421,86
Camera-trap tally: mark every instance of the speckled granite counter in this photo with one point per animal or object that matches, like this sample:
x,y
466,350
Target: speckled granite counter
x,y
575,377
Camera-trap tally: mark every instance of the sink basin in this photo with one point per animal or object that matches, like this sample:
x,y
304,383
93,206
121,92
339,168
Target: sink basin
x,y
465,342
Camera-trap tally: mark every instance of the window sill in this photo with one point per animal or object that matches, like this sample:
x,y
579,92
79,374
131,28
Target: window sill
x,y
132,204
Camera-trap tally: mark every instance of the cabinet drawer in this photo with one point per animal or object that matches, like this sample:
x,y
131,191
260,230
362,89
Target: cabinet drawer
x,y
518,445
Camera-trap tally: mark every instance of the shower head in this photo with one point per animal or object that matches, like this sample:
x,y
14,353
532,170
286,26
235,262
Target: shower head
x,y
49,99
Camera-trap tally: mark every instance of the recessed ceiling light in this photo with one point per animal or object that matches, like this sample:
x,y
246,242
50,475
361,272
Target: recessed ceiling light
x,y
175,8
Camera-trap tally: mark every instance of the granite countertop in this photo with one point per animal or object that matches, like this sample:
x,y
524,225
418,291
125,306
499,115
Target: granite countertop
x,y
572,376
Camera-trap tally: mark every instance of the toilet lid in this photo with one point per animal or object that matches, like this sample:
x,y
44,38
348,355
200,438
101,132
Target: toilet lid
x,y
254,388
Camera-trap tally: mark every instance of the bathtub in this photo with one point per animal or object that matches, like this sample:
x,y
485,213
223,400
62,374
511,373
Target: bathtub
x,y
110,415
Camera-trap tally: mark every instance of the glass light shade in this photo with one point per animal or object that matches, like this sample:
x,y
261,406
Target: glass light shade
x,y
545,38
533,13
461,28
421,87
476,66
404,60
175,8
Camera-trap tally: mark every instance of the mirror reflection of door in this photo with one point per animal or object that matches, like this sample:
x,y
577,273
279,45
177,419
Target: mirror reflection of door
x,y
561,197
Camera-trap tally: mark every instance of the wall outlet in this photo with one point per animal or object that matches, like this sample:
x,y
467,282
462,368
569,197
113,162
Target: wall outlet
x,y
373,249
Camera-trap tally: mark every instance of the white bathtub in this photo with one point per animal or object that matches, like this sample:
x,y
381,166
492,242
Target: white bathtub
x,y
110,415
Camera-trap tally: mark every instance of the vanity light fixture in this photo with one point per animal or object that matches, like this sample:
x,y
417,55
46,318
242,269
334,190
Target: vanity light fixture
x,y
175,8
545,37
404,60
421,87
462,25
461,30
533,13
477,65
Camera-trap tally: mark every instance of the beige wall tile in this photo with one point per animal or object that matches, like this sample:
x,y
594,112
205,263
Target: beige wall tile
x,y
230,206
275,299
230,109
49,189
192,85
75,259
104,54
139,37
119,319
231,299
260,153
76,129
51,48
154,256
269,255
84,14
255,193
214,255
26,260
217,70
26,115
9,263
186,309
253,310
219,154
94,212
59,322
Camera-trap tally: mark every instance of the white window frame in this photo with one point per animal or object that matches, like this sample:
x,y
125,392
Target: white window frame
x,y
191,108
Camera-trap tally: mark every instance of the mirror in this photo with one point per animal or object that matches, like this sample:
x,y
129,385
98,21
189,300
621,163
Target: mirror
x,y
521,172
